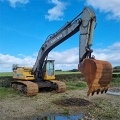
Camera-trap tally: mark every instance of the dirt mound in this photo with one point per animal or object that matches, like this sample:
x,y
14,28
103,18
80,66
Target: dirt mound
x,y
72,102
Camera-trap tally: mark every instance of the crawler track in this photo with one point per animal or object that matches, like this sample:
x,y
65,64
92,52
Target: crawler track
x,y
27,88
61,86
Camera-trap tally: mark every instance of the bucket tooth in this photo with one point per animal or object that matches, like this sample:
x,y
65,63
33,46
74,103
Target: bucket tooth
x,y
98,91
93,93
106,90
102,91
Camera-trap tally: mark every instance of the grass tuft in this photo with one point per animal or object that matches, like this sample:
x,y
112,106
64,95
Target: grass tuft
x,y
115,82
76,85
66,112
7,92
106,110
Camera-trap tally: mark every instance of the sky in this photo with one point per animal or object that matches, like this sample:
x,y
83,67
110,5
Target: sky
x,y
25,25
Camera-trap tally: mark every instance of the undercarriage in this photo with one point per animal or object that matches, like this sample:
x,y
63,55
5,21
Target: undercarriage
x,y
29,88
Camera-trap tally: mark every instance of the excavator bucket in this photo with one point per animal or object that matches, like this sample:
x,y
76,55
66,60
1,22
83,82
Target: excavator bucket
x,y
98,75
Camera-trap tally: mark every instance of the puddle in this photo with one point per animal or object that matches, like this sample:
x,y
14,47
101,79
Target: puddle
x,y
113,93
60,117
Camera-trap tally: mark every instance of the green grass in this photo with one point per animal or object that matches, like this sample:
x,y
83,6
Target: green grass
x,y
5,73
56,73
115,82
76,85
106,110
66,111
65,72
7,92
71,85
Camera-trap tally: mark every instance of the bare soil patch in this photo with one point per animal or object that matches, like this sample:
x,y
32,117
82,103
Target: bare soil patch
x,y
72,102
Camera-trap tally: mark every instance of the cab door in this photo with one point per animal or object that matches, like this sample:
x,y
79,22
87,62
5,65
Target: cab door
x,y
50,75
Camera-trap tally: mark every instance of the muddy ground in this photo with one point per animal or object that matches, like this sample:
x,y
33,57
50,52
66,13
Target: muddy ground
x,y
74,102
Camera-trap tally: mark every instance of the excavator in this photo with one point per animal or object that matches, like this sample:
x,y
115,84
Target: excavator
x,y
98,73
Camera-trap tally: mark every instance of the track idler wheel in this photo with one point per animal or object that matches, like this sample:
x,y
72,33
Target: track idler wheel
x,y
98,75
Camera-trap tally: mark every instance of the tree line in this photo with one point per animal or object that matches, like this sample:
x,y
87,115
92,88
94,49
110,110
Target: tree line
x,y
115,69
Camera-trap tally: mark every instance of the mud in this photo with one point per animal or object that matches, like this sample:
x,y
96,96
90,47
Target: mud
x,y
72,102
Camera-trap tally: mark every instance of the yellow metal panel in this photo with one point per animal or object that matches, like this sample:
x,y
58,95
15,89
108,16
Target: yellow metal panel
x,y
47,77
22,73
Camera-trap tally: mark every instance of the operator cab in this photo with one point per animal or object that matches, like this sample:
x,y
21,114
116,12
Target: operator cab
x,y
49,73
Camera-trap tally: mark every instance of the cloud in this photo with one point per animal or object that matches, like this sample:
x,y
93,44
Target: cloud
x,y
111,54
112,7
69,59
66,57
65,60
14,3
6,61
56,13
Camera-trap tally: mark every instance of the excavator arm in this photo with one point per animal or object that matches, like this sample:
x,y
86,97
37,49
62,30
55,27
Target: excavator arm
x,y
83,23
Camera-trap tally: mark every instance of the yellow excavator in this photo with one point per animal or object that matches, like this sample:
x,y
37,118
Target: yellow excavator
x,y
98,73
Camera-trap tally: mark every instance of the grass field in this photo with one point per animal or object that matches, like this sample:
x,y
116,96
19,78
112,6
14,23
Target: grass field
x,y
76,85
56,73
5,73
7,92
115,82
65,72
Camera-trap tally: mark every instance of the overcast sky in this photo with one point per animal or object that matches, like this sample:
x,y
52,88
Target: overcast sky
x,y
25,25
